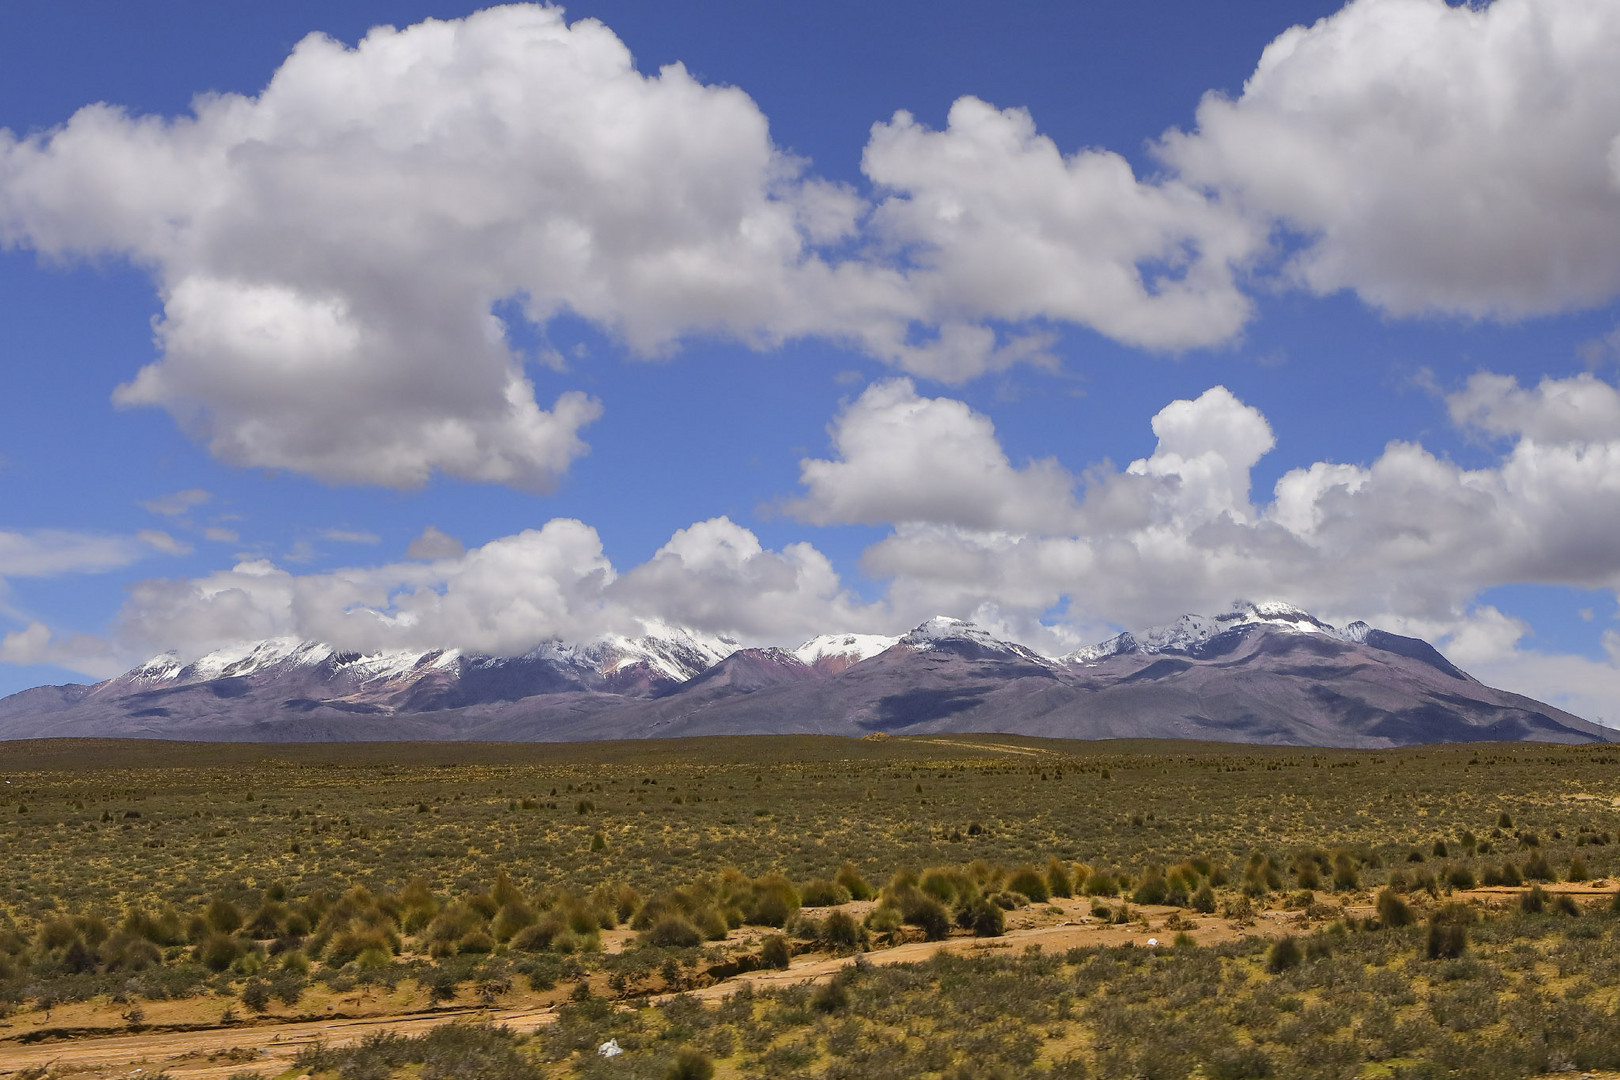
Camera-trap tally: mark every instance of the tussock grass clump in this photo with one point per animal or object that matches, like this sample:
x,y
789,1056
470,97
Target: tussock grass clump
x,y
1284,954
1393,912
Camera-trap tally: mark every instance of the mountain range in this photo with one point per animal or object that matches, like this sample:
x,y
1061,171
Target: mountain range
x,y
1260,673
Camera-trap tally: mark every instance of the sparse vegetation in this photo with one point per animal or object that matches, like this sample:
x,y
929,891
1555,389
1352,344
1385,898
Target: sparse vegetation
x,y
1430,900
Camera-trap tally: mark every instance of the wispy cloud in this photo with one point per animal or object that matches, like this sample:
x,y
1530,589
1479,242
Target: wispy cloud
x,y
349,536
178,503
48,552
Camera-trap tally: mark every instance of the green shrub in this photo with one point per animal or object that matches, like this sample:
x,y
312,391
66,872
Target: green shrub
x,y
1309,874
983,918
351,943
883,919
1031,882
773,902
1533,901
830,997
1284,953
672,931
256,995
774,952
1460,877
819,892
1346,876
949,887
126,952
926,913
1239,1063
850,879
1152,889
690,1064
217,951
1448,932
840,930
515,915
223,916
1203,901
1058,881
1393,911
1446,942
1101,884
163,928
712,925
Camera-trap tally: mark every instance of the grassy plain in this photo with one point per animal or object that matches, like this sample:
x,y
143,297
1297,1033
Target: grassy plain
x,y
154,886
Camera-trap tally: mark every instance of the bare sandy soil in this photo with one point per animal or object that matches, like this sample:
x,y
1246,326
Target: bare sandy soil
x,y
93,1040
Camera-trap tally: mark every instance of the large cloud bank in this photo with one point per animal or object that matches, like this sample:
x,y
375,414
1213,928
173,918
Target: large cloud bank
x,y
505,597
332,252
1407,541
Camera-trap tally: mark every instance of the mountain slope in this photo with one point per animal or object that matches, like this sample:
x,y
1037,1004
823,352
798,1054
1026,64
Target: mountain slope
x,y
1259,673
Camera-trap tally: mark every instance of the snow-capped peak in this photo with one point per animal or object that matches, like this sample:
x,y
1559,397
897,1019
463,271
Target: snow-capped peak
x,y
160,667
1191,631
944,631
391,665
1356,632
852,648
672,652
245,659
944,628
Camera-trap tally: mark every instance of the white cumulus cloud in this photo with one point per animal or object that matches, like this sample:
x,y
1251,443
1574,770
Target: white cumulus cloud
x,y
435,543
504,597
1409,539
1432,157
906,458
999,224
331,252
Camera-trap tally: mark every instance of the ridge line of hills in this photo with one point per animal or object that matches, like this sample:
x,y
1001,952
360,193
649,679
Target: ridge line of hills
x,y
1260,673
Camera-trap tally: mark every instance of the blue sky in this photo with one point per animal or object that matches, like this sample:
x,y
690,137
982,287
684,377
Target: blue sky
x,y
1126,315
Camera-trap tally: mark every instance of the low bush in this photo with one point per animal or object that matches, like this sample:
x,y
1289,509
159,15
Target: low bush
x,y
774,952
1393,911
1284,953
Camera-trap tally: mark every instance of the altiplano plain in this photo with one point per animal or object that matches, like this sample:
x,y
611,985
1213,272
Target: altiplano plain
x,y
1431,899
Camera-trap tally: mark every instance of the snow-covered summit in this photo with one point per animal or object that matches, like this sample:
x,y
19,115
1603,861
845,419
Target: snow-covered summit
x,y
943,628
944,632
160,668
671,652
668,652
1191,631
850,648
244,659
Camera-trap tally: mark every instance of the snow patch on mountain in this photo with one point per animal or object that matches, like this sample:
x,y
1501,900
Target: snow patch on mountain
x,y
942,629
852,648
1189,632
670,652
160,668
944,632
238,661
379,667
